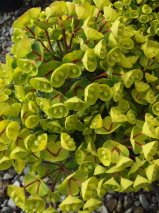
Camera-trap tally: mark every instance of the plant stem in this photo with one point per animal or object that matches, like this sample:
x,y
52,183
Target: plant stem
x,y
106,31
100,20
64,38
48,39
76,180
125,140
47,74
137,135
100,29
138,143
97,15
77,23
58,44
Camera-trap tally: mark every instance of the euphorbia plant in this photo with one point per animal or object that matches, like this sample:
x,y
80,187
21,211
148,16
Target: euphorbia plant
x,y
79,103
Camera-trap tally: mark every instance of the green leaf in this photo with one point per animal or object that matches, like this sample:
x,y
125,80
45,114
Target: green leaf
x,y
67,142
41,84
23,48
100,49
105,93
92,204
125,185
92,34
58,110
89,60
35,186
5,163
155,108
150,149
123,162
71,204
140,182
91,93
54,152
28,66
110,14
82,12
17,194
102,3
59,75
151,172
32,121
104,155
75,104
116,115
89,188
111,184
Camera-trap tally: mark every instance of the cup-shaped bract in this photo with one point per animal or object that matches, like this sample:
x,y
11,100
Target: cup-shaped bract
x,y
92,204
58,110
89,60
71,204
89,188
92,93
67,142
41,84
59,75
75,104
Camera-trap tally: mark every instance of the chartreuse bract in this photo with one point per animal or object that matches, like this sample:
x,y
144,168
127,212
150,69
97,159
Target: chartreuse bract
x,y
79,103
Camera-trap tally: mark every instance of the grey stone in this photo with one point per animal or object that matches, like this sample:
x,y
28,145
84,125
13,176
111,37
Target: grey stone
x,y
7,176
144,201
111,204
12,171
21,179
26,170
4,44
153,199
11,203
111,192
139,209
108,197
6,209
5,19
119,207
103,209
16,183
11,31
130,210
127,202
153,207
137,203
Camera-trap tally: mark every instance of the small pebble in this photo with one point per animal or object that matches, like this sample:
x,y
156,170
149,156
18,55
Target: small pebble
x,y
137,203
111,204
144,201
111,192
6,209
139,209
127,202
16,183
130,210
103,209
108,197
153,207
11,203
119,207
7,176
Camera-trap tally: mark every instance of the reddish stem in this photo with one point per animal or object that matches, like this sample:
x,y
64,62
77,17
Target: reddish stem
x,y
138,143
105,129
137,135
69,188
30,31
98,76
54,97
30,184
48,39
64,38
106,31
77,24
125,140
38,187
47,74
33,51
76,60
100,20
97,15
76,180
100,29
2,131
58,44
77,88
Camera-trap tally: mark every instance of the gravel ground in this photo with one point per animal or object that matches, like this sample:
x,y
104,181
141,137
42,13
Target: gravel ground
x,y
138,202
